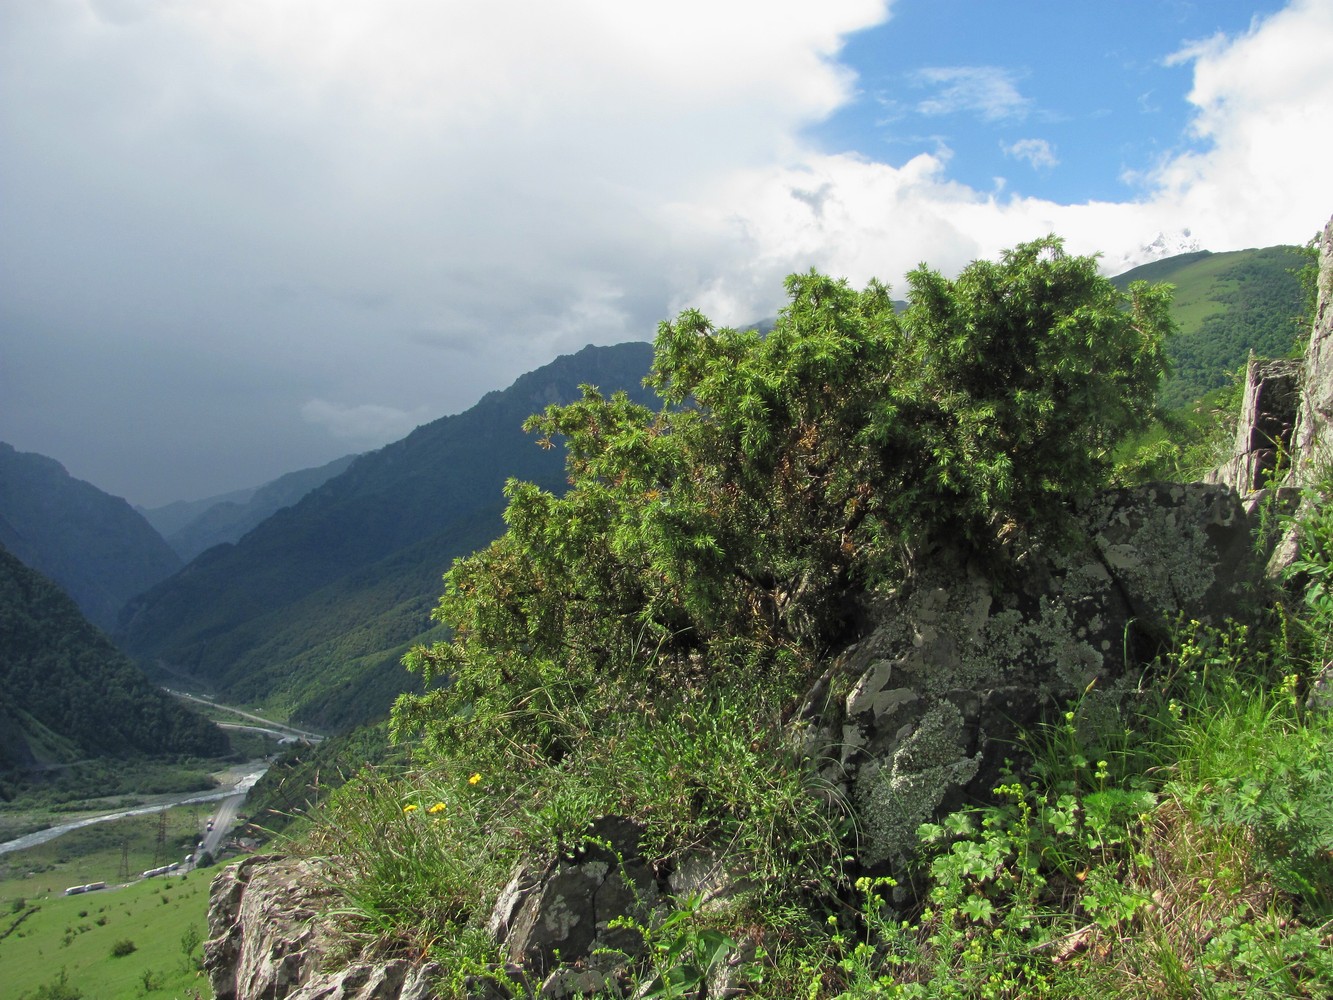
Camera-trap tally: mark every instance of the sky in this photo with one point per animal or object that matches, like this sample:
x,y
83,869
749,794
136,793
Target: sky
x,y
244,237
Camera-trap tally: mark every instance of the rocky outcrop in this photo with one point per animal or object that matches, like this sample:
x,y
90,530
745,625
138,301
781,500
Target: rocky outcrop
x,y
1312,442
916,717
563,922
1264,430
271,938
912,719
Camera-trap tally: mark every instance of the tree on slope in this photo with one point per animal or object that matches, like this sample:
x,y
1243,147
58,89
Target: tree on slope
x,y
719,538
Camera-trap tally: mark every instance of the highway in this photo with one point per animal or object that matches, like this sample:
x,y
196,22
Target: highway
x,y
224,817
229,799
286,730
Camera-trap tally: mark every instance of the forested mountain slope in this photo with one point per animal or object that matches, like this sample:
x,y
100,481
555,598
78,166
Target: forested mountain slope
x,y
192,528
1226,305
312,608
67,693
95,546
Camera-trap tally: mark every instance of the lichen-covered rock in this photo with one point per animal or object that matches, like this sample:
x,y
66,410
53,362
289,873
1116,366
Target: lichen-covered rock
x,y
270,939
555,918
918,714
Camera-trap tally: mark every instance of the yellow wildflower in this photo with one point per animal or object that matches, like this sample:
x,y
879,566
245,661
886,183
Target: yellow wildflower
x,y
474,779
437,808
409,808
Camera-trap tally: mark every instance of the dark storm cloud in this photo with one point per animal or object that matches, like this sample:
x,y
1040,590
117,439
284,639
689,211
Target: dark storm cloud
x,y
237,236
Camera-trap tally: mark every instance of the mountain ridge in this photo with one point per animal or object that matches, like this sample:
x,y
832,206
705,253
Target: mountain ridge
x,y
94,545
192,527
420,501
66,692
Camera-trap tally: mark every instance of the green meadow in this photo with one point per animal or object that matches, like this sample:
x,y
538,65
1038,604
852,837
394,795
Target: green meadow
x,y
133,939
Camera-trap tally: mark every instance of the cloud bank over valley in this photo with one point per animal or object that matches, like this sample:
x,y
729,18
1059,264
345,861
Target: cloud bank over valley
x,y
243,238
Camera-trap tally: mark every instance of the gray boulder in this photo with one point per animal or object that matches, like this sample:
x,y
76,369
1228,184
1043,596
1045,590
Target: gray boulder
x,y
555,917
917,716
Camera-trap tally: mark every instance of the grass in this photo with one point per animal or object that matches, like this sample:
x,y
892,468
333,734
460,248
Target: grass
x,y
44,934
77,938
95,853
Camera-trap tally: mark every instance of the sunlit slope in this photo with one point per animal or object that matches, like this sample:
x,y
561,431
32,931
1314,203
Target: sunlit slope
x,y
1226,304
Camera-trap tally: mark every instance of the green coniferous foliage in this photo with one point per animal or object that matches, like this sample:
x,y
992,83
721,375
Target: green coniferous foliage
x,y
720,537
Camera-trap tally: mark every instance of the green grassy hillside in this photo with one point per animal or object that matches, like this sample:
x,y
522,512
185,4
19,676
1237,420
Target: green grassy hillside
x,y
142,939
1226,305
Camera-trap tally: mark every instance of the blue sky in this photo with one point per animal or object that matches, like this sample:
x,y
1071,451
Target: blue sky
x,y
242,237
1069,101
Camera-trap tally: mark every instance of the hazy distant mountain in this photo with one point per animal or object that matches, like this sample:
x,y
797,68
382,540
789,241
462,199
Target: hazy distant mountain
x,y
1226,304
192,527
313,608
66,693
171,518
93,545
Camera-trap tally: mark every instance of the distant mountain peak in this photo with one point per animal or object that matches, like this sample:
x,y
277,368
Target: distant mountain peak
x,y
1161,246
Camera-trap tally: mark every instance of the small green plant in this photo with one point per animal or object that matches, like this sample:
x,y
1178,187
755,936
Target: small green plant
x,y
150,981
869,961
190,939
1313,566
685,954
58,988
123,947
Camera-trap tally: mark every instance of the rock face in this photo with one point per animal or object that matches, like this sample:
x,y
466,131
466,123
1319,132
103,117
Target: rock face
x,y
1264,431
270,938
916,716
1312,444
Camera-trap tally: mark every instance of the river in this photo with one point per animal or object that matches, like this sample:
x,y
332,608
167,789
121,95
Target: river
x,y
245,781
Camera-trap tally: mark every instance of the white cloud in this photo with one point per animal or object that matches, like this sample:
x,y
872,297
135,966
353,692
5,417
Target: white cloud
x,y
990,92
414,202
1264,101
1037,152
